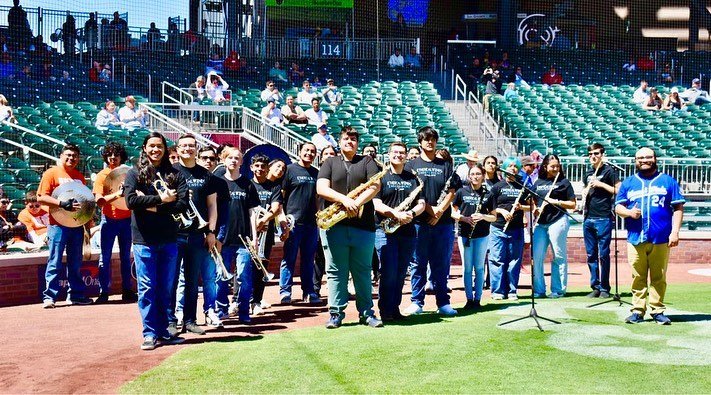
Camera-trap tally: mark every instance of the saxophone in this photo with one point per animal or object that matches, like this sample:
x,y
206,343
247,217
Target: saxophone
x,y
390,225
335,213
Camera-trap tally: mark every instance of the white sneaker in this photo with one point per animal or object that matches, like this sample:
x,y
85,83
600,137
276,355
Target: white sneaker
x,y
447,311
232,310
497,297
413,309
265,304
513,297
257,309
212,319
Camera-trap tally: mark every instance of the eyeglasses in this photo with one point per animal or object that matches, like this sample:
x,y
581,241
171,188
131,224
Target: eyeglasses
x,y
271,85
644,157
4,202
33,205
187,146
208,158
594,153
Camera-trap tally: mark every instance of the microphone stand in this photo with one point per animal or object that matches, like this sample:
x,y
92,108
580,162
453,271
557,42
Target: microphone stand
x,y
616,297
532,313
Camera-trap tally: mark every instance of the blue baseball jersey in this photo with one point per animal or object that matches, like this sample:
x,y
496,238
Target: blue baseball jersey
x,y
655,197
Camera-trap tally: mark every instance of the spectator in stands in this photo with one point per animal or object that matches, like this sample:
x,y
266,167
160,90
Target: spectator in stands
x,y
331,94
7,69
673,102
475,72
472,158
400,27
630,65
316,83
91,31
69,35
232,65
105,74
295,73
695,94
271,91
119,29
654,102
197,89
505,63
307,94
293,113
94,72
641,95
552,77
278,73
214,64
35,219
105,34
39,47
645,63
6,111
322,139
413,59
272,113
11,229
66,77
173,37
19,26
518,78
510,92
413,153
130,115
491,88
315,114
154,37
43,72
216,88
396,59
667,75
25,73
107,116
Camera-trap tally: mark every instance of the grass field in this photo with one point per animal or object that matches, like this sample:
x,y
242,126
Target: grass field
x,y
591,352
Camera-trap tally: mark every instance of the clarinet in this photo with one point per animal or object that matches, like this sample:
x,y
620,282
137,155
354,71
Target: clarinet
x,y
478,208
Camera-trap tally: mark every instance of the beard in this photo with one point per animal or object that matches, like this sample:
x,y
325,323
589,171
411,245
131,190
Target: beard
x,y
652,168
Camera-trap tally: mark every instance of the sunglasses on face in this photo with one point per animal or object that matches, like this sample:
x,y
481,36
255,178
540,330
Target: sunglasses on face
x,y
595,153
208,158
33,205
4,202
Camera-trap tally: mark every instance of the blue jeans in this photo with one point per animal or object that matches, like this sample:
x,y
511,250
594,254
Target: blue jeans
x,y
196,262
156,270
242,280
395,253
555,234
62,238
505,254
474,254
434,248
349,250
304,238
597,233
110,230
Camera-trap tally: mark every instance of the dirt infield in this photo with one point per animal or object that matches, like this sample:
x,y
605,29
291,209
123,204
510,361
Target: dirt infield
x,y
95,349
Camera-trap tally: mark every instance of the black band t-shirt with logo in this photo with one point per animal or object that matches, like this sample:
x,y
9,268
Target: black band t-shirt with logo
x,y
504,195
599,202
394,189
468,201
434,175
563,190
299,187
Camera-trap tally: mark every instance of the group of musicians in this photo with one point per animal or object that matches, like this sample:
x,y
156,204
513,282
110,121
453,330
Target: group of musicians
x,y
188,219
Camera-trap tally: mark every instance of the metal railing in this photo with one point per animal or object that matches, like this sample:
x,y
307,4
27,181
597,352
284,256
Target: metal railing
x,y
170,91
36,133
255,125
159,122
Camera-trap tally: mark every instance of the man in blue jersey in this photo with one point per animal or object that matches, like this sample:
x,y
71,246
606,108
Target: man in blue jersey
x,y
653,206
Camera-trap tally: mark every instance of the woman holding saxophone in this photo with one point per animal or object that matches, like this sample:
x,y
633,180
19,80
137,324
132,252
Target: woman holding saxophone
x,y
155,191
397,204
471,207
506,234
348,245
551,227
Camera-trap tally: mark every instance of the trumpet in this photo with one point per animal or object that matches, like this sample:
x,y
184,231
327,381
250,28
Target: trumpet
x,y
223,273
256,259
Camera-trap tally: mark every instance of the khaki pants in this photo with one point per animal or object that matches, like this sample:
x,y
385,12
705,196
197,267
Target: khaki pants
x,y
653,259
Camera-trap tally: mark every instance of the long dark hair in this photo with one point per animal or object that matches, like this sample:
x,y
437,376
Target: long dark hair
x,y
543,171
496,174
146,170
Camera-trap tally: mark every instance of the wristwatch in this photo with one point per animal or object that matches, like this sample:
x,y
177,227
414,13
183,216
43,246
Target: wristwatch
x,y
209,232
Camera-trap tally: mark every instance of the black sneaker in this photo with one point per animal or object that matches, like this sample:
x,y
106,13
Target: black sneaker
x,y
469,305
103,298
635,318
594,294
397,316
334,322
661,319
173,329
129,297
193,328
149,343
170,340
81,301
604,294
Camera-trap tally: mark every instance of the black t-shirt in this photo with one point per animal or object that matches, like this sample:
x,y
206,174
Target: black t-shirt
x,y
503,195
562,191
393,190
243,197
201,184
468,201
434,175
299,187
269,192
223,200
347,176
599,201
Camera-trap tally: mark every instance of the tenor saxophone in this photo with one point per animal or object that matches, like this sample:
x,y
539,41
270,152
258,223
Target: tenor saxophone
x,y
335,213
390,225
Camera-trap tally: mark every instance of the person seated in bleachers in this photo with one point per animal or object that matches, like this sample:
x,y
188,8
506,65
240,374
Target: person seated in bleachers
x,y
315,114
654,103
505,63
307,94
322,139
12,231
35,219
552,77
43,72
396,59
331,94
107,116
94,71
641,95
293,113
232,64
316,83
629,65
197,89
272,113
695,94
25,73
216,88
105,75
6,111
295,73
667,75
66,77
278,73
491,79
7,69
413,59
510,93
673,102
271,91
130,115
518,78
214,64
